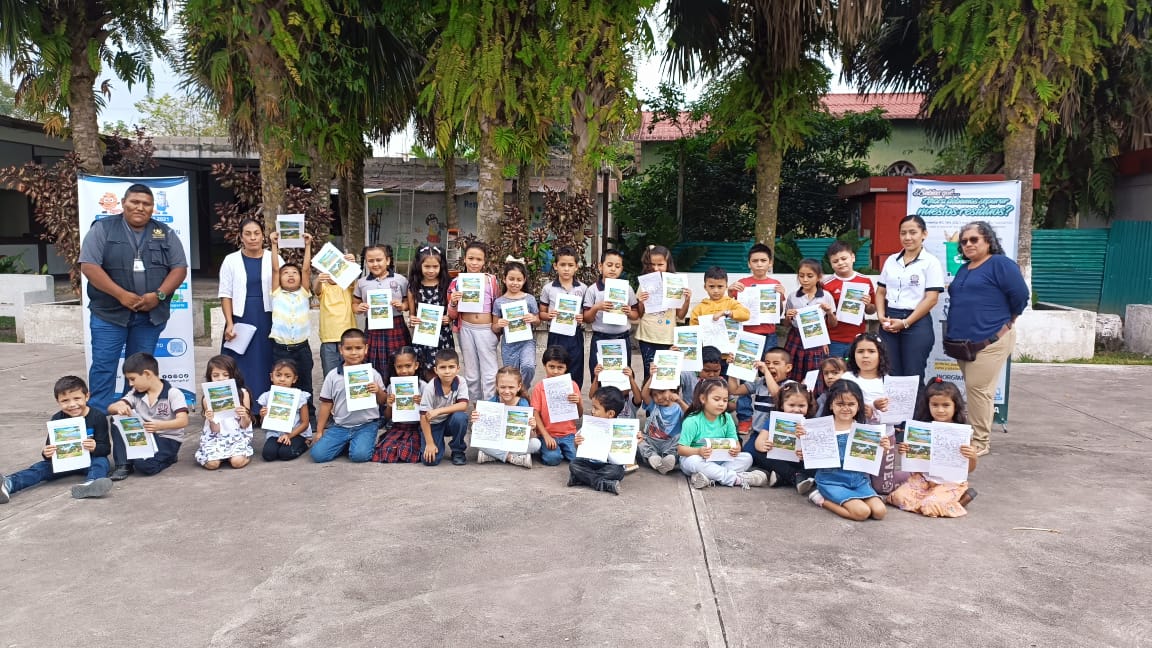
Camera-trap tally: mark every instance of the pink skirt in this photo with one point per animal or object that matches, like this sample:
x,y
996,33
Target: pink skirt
x,y
918,494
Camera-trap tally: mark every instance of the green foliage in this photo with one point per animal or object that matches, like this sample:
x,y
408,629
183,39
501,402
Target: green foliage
x,y
168,116
8,105
14,264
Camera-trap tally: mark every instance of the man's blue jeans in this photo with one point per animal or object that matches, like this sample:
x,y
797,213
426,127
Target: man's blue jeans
x,y
110,342
360,441
455,426
41,471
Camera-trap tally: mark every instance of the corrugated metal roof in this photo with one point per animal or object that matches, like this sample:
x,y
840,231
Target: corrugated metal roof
x,y
1068,266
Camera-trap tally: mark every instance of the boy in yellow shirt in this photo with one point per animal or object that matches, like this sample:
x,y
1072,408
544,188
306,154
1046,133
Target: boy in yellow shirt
x,y
336,316
718,302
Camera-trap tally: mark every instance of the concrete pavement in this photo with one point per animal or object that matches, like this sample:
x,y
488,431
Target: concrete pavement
x,y
300,554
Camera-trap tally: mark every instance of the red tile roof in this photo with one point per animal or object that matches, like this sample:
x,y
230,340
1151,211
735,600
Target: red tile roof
x,y
895,105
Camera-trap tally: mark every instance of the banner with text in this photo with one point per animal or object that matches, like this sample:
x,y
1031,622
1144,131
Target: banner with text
x,y
99,197
945,208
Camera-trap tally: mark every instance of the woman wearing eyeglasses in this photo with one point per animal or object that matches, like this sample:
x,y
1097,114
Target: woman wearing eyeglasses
x,y
909,287
985,298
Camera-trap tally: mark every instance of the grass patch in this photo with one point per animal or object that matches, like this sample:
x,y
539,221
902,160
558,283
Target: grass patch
x,y
1102,358
7,329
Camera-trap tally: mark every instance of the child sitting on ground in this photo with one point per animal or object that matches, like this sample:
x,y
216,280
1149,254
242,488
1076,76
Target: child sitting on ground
x,y
286,446
443,407
228,436
709,428
509,392
72,397
161,406
660,433
773,370
354,431
557,439
402,440
607,402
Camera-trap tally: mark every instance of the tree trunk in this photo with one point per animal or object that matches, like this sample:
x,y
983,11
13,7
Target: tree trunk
x,y
490,190
82,113
1019,164
270,143
451,214
320,173
524,192
769,159
354,205
273,182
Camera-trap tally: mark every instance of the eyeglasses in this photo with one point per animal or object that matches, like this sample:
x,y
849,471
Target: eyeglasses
x,y
971,240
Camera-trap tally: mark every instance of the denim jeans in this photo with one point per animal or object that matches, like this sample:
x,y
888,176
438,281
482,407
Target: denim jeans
x,y
330,357
360,442
110,342
593,474
908,350
166,452
41,471
521,355
838,349
455,426
565,449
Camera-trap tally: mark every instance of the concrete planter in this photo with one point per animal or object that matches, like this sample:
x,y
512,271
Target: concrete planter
x,y
1138,328
19,290
54,323
1051,332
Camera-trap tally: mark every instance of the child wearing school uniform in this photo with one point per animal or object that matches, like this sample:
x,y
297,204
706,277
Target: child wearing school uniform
x,y
443,411
565,283
611,265
380,275
161,406
354,431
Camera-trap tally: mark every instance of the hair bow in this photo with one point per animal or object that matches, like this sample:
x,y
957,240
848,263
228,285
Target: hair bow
x,y
512,259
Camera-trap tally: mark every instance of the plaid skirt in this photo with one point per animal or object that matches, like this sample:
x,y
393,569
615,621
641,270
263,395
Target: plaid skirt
x,y
384,343
803,360
400,444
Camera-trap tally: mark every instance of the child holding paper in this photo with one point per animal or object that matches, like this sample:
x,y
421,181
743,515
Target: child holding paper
x,y
442,411
161,406
557,439
351,430
509,392
718,302
521,354
603,476
656,329
429,280
759,264
380,274
477,341
660,433
402,440
923,493
793,398
773,370
336,316
228,436
846,493
595,306
285,446
868,367
566,286
632,395
842,259
72,397
291,312
708,419
810,293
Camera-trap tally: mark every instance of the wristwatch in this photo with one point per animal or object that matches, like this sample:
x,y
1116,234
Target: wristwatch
x,y
161,295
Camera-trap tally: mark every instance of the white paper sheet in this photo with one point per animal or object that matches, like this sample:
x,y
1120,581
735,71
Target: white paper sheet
x,y
244,334
653,284
404,408
283,403
721,449
427,330
901,391
918,436
714,333
782,428
517,428
291,230
221,396
673,291
851,308
749,350
622,449
863,452
518,330
946,461
687,340
668,366
138,444
819,444
488,428
566,308
763,304
332,261
616,294
356,381
596,435
68,436
470,285
809,322
556,393
613,358
810,379
379,309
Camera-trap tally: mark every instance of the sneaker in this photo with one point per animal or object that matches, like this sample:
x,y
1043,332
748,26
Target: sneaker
x,y
631,468
5,496
571,480
669,464
805,486
754,478
120,474
522,459
610,486
816,498
657,463
96,488
772,478
698,481
458,459
983,451
484,457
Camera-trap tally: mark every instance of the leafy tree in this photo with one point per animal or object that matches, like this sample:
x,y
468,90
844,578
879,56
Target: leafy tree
x,y
8,105
168,116
59,49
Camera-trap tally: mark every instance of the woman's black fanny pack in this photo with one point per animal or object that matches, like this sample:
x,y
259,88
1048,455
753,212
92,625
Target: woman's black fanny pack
x,y
966,350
